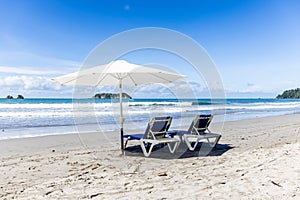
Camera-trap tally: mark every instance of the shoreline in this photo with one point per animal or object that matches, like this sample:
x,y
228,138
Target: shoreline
x,y
217,120
77,139
36,117
262,163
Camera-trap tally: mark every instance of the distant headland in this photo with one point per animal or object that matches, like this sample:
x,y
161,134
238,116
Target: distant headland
x,y
111,96
290,94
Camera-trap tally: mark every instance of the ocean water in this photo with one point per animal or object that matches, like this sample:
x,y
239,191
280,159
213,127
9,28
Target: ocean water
x,y
21,118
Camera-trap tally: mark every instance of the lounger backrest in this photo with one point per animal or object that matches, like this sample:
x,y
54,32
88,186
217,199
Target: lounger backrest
x,y
200,124
157,128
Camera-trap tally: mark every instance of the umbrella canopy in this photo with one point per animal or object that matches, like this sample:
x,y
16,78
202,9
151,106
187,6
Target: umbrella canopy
x,y
118,73
106,75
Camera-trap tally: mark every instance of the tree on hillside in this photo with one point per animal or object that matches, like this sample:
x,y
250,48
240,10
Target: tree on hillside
x,y
290,94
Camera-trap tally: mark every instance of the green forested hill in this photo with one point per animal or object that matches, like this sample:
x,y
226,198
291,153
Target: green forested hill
x,y
290,94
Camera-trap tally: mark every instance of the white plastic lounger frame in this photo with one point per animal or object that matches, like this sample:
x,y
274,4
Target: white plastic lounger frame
x,y
199,130
156,133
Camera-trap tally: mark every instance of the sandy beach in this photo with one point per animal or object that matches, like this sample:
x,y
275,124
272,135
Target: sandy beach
x,y
255,159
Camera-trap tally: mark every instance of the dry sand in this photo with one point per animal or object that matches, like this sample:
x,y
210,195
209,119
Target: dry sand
x,y
255,159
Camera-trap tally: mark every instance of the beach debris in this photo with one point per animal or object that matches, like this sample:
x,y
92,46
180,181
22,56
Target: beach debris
x,y
86,167
163,174
95,167
31,168
277,184
49,192
95,195
72,163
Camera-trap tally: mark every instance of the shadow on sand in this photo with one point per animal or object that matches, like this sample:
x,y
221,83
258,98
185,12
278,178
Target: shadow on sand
x,y
162,151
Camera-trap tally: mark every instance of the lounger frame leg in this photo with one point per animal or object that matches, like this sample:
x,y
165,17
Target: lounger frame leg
x,y
215,142
192,147
126,141
189,143
172,150
146,153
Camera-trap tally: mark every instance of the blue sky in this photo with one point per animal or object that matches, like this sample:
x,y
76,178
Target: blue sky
x,y
255,44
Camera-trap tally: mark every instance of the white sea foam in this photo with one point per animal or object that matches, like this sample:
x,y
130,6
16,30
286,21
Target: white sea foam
x,y
40,116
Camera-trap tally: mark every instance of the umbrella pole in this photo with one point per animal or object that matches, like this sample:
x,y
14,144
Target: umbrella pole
x,y
121,114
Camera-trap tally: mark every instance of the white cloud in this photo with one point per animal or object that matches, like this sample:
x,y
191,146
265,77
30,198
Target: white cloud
x,y
178,89
33,86
25,70
25,83
251,88
29,74
248,90
29,63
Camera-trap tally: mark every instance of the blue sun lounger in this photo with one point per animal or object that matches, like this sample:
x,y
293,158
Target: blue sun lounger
x,y
156,133
198,131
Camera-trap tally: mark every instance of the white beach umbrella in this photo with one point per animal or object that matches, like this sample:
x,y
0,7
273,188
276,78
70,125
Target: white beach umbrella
x,y
118,73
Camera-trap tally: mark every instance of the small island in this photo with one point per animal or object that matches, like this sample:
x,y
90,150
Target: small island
x,y
111,96
11,97
290,94
20,96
